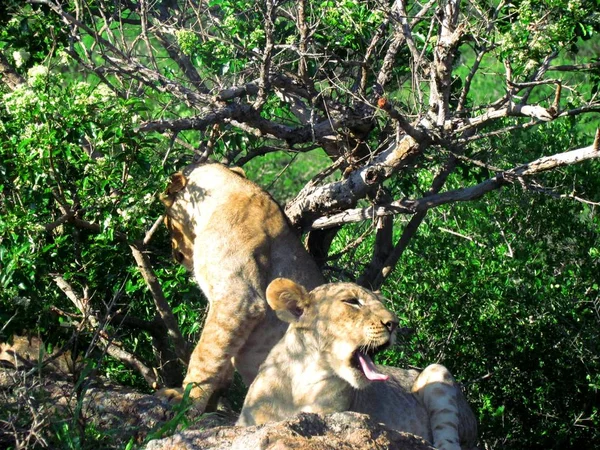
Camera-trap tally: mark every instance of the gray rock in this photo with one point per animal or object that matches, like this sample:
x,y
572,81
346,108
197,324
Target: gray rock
x,y
338,431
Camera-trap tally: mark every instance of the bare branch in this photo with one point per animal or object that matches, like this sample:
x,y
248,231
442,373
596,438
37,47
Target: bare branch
x,y
382,248
84,224
449,34
467,86
555,161
58,222
104,342
398,40
364,72
265,68
513,110
303,30
458,195
152,230
339,195
417,134
406,30
540,72
464,236
117,351
232,111
361,214
407,234
535,187
81,304
161,303
575,67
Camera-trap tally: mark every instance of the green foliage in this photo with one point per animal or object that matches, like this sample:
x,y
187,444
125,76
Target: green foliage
x,y
504,291
539,25
28,33
71,146
347,24
241,30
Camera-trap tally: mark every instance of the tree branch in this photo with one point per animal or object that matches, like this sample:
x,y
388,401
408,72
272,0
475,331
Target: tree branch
x,y
458,195
92,322
410,230
575,67
449,34
513,110
312,201
265,67
385,72
162,306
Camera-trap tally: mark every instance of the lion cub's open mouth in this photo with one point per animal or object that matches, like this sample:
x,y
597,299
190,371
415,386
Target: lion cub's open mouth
x,y
362,360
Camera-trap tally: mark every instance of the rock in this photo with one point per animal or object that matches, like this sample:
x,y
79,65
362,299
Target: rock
x,y
307,431
36,396
105,405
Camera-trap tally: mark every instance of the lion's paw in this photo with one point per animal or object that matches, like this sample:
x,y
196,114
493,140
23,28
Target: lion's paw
x,y
172,395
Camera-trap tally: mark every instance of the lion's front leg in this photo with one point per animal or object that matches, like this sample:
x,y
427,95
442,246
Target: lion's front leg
x,y
224,333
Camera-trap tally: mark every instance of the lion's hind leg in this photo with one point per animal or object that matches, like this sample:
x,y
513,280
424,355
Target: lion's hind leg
x,y
436,389
224,333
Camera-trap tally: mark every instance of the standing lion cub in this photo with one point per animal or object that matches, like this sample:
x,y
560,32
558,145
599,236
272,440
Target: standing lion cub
x,y
324,364
235,239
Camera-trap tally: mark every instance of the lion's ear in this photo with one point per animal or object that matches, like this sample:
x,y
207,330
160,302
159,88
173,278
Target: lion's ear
x,y
178,182
239,171
287,298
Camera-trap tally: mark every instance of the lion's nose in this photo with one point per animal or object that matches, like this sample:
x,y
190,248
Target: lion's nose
x,y
390,325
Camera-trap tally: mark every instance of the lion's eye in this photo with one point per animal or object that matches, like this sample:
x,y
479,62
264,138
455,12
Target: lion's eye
x,y
353,302
178,256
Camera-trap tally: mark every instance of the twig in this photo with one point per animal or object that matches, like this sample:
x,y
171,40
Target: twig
x,y
464,236
152,230
551,193
469,79
351,245
510,253
418,135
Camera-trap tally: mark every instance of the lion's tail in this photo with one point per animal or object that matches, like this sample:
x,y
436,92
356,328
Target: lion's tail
x,y
437,390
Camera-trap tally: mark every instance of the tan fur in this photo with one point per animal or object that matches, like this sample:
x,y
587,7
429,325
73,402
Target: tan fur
x,y
235,239
30,351
313,369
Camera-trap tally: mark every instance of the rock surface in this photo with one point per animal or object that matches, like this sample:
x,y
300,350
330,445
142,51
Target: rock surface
x,y
338,431
47,399
36,397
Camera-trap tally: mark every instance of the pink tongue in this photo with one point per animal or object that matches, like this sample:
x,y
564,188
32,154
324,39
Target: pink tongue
x,y
369,368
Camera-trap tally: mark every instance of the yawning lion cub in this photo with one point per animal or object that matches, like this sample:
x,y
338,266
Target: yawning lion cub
x,y
324,364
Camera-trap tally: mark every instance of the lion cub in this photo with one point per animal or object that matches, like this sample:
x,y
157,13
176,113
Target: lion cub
x,y
324,364
235,239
